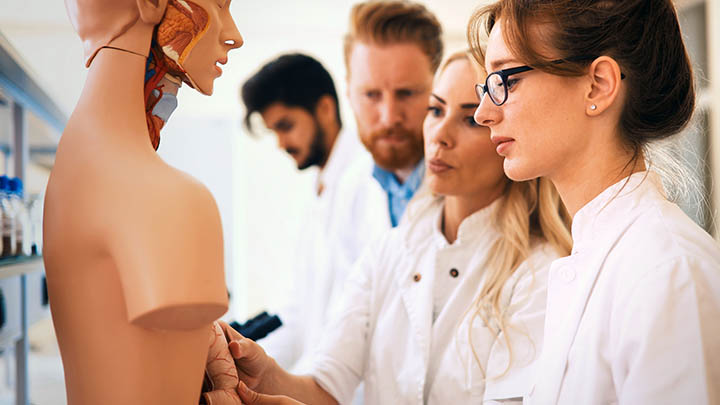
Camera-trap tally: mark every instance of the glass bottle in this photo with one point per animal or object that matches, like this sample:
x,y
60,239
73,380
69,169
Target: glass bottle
x,y
22,218
9,236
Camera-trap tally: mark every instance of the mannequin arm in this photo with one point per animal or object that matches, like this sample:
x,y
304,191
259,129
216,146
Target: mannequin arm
x,y
221,371
169,254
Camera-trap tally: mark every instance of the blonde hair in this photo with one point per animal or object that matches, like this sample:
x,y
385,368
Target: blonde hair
x,y
529,211
393,22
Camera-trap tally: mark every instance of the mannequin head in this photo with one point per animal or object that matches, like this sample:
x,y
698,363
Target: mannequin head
x,y
194,36
182,40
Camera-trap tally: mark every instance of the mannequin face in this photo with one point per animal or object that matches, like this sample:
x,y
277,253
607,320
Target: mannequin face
x,y
461,158
203,62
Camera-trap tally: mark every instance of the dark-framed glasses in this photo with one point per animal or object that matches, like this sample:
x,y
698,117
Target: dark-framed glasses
x,y
498,83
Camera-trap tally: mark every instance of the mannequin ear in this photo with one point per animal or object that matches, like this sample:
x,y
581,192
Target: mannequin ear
x,y
151,11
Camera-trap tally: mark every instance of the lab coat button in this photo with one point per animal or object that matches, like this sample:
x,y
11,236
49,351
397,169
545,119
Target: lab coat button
x,y
417,277
454,273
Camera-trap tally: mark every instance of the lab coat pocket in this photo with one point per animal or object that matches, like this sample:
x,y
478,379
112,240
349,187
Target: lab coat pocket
x,y
507,385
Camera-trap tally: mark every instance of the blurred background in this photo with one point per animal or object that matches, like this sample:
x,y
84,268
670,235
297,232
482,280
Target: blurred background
x,y
259,192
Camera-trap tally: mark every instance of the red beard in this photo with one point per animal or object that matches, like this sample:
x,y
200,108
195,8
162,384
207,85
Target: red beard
x,y
406,150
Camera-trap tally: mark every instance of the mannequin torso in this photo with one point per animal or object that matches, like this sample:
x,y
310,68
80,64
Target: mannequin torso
x,y
133,252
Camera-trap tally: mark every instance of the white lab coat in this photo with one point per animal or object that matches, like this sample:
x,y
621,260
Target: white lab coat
x,y
633,315
384,334
364,215
315,278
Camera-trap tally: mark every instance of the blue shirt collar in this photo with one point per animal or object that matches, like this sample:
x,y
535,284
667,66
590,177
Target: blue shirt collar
x,y
392,186
399,194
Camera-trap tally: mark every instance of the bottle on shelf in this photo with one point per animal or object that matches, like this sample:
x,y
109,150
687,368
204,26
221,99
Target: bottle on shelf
x,y
34,206
22,218
9,235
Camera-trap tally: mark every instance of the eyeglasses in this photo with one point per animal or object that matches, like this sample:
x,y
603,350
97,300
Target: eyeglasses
x,y
497,83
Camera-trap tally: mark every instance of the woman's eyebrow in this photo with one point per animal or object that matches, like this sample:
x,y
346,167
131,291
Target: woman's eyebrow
x,y
496,64
438,98
470,105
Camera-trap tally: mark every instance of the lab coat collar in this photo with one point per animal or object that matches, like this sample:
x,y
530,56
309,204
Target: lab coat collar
x,y
620,198
472,227
595,230
428,224
341,155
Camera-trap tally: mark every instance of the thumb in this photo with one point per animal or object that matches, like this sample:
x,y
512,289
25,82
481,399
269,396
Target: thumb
x,y
250,397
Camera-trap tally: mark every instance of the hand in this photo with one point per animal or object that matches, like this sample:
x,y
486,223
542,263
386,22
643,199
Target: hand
x,y
254,366
250,397
220,371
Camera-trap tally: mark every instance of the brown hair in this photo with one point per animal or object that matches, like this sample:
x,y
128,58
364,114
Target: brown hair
x,y
392,22
643,36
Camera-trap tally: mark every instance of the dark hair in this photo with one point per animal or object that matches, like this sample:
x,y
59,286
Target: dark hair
x,y
643,36
396,21
294,80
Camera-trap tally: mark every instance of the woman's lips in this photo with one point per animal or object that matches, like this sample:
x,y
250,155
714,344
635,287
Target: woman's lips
x,y
438,166
502,144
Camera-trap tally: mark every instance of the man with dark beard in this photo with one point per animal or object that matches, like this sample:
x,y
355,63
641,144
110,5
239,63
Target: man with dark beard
x,y
296,97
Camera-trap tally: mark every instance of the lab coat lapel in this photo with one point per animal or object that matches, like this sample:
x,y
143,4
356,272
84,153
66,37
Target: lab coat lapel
x,y
565,309
446,326
418,300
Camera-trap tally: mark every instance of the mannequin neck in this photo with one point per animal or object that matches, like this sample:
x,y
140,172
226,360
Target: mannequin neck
x,y
112,101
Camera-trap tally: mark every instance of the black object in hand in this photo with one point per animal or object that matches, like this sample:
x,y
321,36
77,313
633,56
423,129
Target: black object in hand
x,y
258,327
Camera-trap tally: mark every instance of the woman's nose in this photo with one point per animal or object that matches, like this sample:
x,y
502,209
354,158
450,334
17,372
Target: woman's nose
x,y
487,113
441,134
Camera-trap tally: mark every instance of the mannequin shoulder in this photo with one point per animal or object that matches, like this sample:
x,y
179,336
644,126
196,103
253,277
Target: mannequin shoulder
x,y
173,197
153,199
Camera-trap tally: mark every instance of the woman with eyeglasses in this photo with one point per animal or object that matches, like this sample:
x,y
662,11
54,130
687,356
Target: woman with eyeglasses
x,y
578,92
448,308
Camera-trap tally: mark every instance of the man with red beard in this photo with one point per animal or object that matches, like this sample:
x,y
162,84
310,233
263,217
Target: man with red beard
x,y
392,51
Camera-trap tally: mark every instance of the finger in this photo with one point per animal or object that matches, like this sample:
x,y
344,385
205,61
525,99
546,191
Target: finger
x,y
243,348
222,397
248,396
230,333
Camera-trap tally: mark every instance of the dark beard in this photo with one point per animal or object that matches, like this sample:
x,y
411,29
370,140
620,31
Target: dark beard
x,y
318,154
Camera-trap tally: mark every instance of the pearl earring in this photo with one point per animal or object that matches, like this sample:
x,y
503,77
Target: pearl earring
x,y
593,107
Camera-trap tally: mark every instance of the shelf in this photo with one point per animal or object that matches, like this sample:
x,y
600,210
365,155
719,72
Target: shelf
x,y
16,266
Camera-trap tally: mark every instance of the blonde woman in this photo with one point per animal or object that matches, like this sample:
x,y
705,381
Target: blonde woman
x,y
448,308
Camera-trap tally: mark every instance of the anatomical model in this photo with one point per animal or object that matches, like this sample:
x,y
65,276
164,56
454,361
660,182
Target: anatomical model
x,y
133,247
